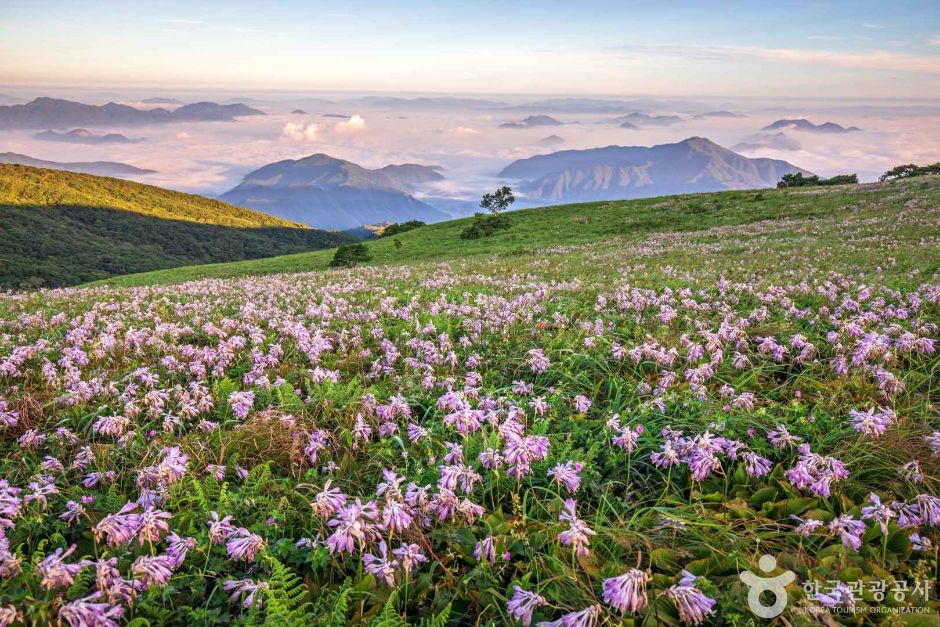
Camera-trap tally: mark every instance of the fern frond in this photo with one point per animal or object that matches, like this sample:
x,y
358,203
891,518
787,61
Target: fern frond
x,y
439,620
389,616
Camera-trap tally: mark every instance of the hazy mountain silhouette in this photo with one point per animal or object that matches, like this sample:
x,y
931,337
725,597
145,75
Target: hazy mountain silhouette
x,y
533,121
693,165
641,119
331,193
57,113
99,168
775,141
801,124
83,136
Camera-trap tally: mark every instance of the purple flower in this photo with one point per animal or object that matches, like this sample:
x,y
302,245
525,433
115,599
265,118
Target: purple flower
x,y
9,502
9,561
929,509
539,405
567,475
316,443
849,531
55,572
920,543
911,471
628,438
353,523
538,362
523,604
215,470
840,595
247,589
152,525
409,556
416,433
120,528
327,501
485,550
220,529
627,592
9,614
816,472
87,613
808,526
881,514
934,441
178,548
578,533
396,516
241,403
152,570
693,606
583,618
73,511
243,545
756,465
582,403
781,438
871,422
114,426
380,565
521,451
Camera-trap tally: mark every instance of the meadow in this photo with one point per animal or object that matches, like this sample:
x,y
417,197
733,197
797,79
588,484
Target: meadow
x,y
600,416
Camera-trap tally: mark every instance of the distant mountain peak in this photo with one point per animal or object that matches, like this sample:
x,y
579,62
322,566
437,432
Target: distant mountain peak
x,y
695,164
533,121
84,136
802,124
327,192
635,119
56,113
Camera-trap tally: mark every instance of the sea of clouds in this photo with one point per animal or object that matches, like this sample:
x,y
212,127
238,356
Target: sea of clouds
x,y
212,157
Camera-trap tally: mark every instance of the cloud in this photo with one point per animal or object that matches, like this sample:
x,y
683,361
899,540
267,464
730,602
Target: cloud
x,y
872,60
354,124
463,131
299,132
873,25
182,135
934,41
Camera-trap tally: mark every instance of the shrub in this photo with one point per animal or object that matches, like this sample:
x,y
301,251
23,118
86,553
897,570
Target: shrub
x,y
395,228
798,180
349,255
485,225
909,170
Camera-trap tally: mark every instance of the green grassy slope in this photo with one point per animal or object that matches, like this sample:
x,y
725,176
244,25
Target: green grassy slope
x,y
606,224
60,228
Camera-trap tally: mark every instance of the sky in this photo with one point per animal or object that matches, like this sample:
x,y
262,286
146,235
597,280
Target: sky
x,y
857,49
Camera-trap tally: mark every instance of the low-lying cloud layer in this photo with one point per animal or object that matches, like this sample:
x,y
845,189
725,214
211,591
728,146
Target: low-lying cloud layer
x,y
211,157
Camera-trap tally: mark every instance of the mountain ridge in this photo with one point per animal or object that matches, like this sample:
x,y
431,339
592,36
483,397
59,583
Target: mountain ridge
x,y
60,228
802,124
57,113
84,136
98,168
614,172
326,192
